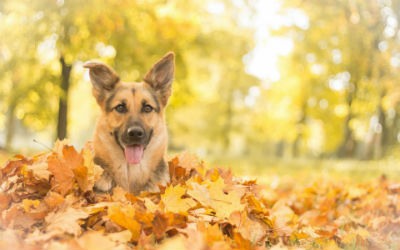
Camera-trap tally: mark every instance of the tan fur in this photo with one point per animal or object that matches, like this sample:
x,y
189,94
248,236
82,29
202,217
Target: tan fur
x,y
111,126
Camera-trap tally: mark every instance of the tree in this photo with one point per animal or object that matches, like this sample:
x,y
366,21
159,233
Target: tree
x,y
346,47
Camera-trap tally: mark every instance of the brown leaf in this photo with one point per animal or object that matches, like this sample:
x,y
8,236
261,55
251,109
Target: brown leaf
x,y
5,201
160,225
53,200
63,176
74,161
13,167
66,221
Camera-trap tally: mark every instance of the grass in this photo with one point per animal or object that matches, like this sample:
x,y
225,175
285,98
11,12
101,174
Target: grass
x,y
303,171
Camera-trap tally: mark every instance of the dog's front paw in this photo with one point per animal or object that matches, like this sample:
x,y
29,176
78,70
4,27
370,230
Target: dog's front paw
x,y
105,183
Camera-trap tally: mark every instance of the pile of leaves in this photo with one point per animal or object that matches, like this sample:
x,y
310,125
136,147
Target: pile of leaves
x,y
47,202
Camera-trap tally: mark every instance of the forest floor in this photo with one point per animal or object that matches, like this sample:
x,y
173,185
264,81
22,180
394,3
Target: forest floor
x,y
47,202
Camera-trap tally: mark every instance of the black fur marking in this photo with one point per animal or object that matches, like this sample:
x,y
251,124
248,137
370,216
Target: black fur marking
x,y
108,106
133,91
111,97
117,139
149,138
99,161
161,167
157,108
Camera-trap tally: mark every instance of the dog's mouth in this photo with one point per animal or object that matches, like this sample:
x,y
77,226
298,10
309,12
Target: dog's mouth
x,y
134,153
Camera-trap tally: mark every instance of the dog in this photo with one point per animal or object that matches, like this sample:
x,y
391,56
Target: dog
x,y
130,139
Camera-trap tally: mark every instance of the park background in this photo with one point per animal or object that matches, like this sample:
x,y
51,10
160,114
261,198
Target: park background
x,y
291,87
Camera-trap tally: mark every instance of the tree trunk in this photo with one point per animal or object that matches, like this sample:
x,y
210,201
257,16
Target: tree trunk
x,y
10,127
300,125
348,145
63,101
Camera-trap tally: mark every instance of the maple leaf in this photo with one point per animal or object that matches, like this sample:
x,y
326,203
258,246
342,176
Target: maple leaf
x,y
66,221
124,216
282,217
212,194
16,218
74,161
211,208
39,170
94,171
253,230
63,175
173,201
53,199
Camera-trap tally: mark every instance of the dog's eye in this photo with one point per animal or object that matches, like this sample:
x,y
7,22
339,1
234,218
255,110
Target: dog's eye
x,y
121,108
147,108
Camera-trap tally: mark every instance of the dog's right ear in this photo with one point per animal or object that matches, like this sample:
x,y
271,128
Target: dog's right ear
x,y
103,78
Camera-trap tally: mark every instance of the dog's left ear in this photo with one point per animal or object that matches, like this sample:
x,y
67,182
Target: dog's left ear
x,y
161,76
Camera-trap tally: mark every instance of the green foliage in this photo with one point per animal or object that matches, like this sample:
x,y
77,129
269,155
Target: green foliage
x,y
337,94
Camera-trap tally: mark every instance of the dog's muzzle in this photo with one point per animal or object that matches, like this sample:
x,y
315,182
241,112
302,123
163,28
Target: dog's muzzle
x,y
135,140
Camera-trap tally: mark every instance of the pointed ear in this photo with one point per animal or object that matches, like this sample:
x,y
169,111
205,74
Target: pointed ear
x,y
103,79
161,76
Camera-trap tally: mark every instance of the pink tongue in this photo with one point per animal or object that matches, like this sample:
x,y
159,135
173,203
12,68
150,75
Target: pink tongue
x,y
134,154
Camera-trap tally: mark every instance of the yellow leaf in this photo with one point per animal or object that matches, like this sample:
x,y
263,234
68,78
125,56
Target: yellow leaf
x,y
29,204
65,221
173,202
224,203
150,205
119,194
98,207
200,193
124,216
212,194
94,171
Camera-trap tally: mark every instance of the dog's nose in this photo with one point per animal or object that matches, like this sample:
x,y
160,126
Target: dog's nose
x,y
136,132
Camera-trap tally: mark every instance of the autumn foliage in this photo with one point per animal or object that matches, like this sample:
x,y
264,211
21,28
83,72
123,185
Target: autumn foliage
x,y
47,202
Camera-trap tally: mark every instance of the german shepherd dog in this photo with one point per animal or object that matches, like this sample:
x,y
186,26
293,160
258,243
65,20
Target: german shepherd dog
x,y
130,139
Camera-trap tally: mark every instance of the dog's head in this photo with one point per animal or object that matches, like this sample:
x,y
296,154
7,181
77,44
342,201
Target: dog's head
x,y
134,110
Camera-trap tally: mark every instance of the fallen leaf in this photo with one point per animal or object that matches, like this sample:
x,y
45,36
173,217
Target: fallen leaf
x,y
29,204
66,221
124,216
173,201
63,175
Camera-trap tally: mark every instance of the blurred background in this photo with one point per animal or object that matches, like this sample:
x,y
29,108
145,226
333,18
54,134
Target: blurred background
x,y
261,85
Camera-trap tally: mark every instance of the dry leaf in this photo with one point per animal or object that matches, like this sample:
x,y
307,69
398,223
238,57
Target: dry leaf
x,y
124,216
67,221
200,209
63,175
173,201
